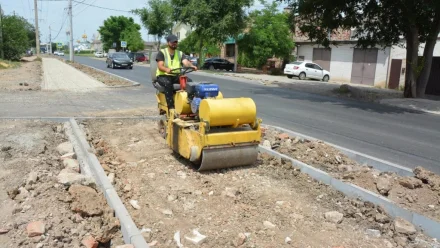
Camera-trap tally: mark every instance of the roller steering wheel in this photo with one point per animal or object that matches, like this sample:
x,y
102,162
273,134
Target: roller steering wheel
x,y
182,70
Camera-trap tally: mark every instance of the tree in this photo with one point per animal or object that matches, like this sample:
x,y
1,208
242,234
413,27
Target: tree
x,y
133,38
117,27
157,19
269,35
15,36
378,23
213,20
30,29
190,45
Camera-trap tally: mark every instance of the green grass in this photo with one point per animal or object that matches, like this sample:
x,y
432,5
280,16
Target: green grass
x,y
7,64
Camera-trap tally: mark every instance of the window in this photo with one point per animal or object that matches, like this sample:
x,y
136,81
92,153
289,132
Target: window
x,y
310,66
178,35
317,67
230,50
300,58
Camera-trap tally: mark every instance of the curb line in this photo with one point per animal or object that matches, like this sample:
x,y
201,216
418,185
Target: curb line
x,y
130,232
361,158
422,223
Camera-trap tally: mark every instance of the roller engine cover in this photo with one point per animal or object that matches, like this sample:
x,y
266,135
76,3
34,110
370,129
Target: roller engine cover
x,y
199,91
202,90
207,90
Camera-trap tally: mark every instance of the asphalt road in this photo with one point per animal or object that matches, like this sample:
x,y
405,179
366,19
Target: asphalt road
x,y
408,138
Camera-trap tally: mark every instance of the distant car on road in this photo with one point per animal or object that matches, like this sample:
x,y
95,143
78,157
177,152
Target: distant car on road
x,y
99,55
119,59
60,53
218,64
303,70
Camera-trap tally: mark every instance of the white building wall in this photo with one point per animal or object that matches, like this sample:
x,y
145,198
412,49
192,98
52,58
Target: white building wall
x,y
381,75
306,51
341,62
181,31
437,49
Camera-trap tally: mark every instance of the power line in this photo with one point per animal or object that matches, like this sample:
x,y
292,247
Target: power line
x,y
62,25
100,6
84,8
79,3
91,5
30,9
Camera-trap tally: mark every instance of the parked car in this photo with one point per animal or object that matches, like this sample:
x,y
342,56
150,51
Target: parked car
x,y
119,59
99,55
218,64
61,53
305,70
140,57
137,57
193,60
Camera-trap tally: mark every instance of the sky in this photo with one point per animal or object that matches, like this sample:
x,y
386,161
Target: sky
x,y
86,18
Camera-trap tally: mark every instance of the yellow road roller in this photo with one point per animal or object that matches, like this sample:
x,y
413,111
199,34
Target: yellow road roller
x,y
210,131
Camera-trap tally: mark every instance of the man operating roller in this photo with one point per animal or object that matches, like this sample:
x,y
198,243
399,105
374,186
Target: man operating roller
x,y
168,59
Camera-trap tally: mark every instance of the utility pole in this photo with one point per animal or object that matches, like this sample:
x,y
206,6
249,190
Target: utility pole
x,y
2,55
71,32
37,33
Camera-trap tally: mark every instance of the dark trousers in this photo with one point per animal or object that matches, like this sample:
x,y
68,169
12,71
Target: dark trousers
x,y
167,82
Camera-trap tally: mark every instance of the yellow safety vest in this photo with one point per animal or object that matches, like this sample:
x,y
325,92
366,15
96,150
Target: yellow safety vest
x,y
172,64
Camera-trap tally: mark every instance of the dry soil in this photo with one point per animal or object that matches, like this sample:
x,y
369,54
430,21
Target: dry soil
x,y
36,208
28,76
268,204
420,193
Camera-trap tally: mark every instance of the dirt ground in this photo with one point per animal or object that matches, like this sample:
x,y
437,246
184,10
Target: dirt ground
x,y
105,78
44,201
420,193
27,76
269,204
133,112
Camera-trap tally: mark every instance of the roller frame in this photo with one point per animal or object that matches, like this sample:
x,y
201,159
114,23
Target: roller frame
x,y
217,148
207,147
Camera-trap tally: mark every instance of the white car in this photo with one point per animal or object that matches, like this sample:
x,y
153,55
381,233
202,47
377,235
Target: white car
x,y
99,55
60,53
303,70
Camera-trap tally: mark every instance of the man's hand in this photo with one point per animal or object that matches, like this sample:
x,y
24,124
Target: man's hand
x,y
168,70
194,67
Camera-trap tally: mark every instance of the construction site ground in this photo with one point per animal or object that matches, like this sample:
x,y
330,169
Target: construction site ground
x,y
26,76
40,205
420,193
269,204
